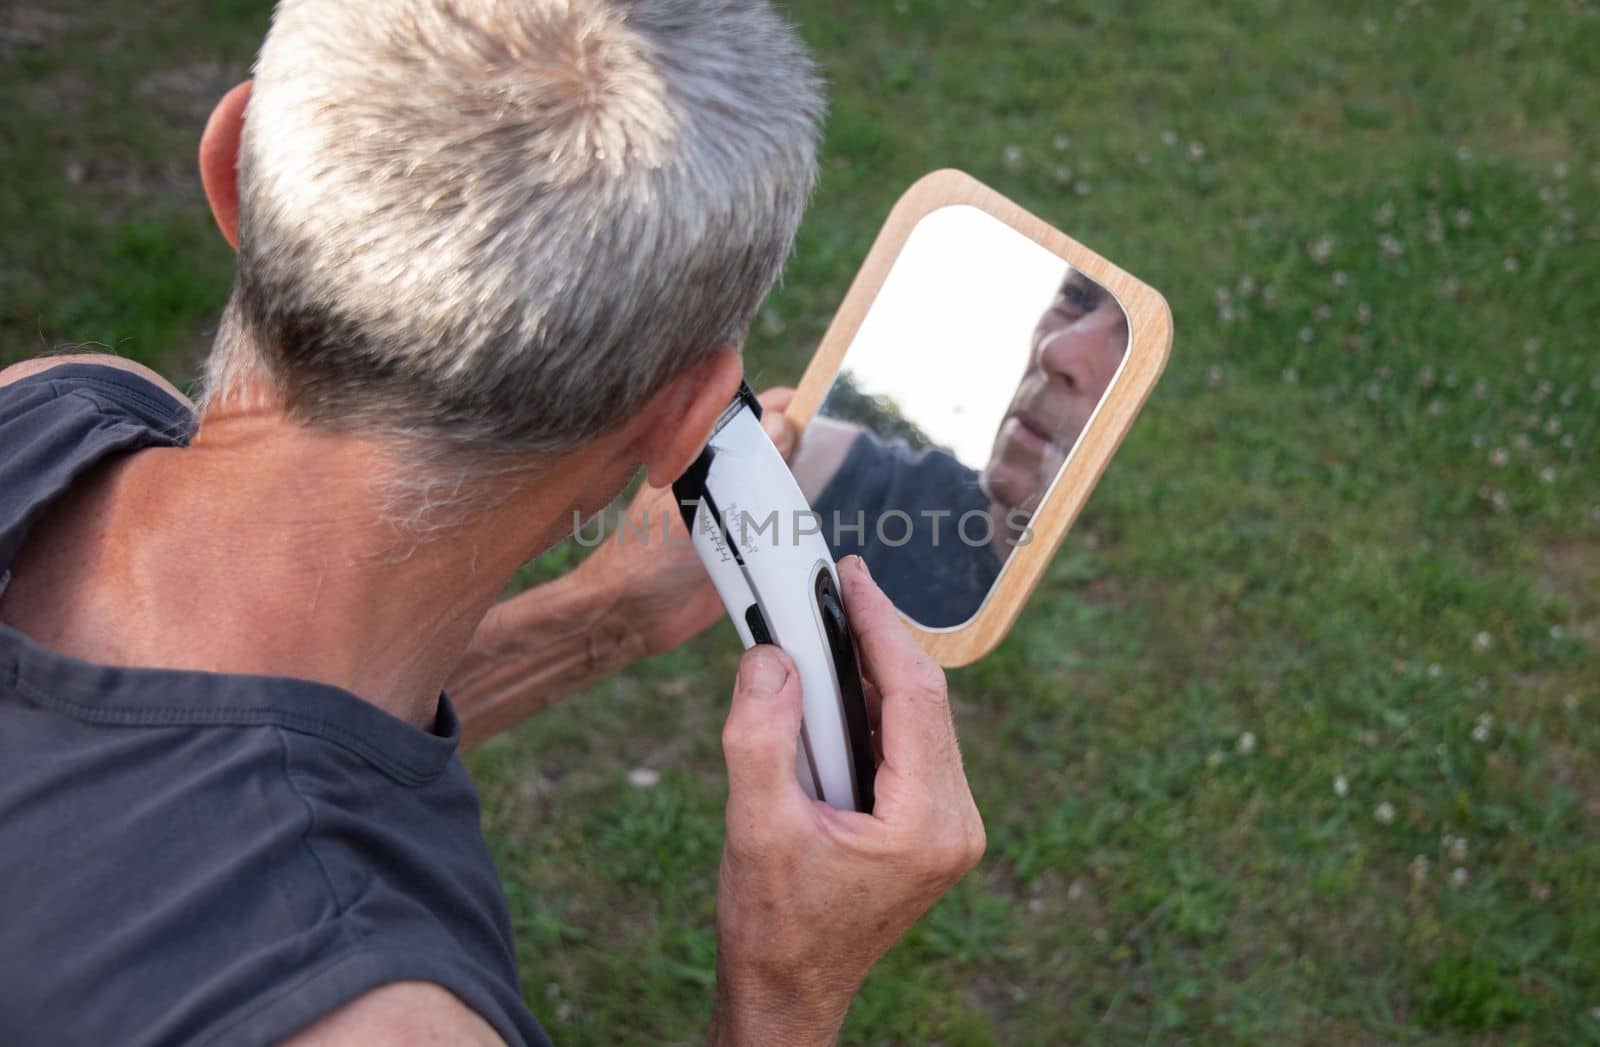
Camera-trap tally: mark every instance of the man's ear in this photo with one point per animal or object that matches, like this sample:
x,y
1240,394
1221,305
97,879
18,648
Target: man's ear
x,y
677,421
219,160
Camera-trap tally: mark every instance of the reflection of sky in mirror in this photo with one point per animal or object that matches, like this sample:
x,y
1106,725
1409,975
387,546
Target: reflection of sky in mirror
x,y
948,336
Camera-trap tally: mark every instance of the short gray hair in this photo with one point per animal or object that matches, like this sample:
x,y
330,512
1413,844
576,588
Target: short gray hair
x,y
497,226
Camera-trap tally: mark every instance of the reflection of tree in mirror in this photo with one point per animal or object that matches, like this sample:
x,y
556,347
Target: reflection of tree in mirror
x,y
877,412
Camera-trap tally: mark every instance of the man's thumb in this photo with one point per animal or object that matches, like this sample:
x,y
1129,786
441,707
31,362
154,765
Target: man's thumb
x,y
763,726
781,431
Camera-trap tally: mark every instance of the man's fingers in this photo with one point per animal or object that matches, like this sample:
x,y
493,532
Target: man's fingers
x,y
762,731
777,398
914,716
782,432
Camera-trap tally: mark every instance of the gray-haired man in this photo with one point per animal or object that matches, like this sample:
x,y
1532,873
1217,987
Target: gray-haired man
x,y
494,257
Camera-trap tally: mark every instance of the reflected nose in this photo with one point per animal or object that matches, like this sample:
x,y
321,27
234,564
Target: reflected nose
x,y
1084,355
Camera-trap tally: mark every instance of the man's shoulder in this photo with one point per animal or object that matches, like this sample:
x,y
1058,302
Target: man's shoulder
x,y
41,364
400,1013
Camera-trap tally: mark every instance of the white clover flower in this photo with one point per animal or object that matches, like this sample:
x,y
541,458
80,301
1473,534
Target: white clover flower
x,y
1081,187
1341,786
1213,377
1569,702
1169,138
1247,743
1012,157
1499,457
1435,670
1062,143
1547,475
1419,867
644,777
1214,760
1482,642
1384,812
1455,847
1290,376
1197,150
1458,877
1481,729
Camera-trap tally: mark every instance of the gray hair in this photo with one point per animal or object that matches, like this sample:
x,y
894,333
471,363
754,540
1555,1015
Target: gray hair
x,y
497,226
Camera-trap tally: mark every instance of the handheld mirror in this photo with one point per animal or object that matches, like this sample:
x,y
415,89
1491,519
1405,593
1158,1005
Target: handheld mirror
x,y
974,384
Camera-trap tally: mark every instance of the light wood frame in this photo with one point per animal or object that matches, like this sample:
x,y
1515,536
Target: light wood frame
x,y
1149,341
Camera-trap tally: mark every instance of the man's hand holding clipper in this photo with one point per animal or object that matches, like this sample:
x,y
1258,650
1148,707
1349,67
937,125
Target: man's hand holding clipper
x,y
811,897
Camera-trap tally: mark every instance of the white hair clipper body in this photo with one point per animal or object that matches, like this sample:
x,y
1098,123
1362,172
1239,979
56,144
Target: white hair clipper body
x,y
765,553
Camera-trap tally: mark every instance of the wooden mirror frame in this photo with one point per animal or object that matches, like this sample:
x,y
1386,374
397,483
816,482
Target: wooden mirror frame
x,y
1149,342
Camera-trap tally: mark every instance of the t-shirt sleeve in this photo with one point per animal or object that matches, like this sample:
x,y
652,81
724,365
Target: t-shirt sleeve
x,y
58,423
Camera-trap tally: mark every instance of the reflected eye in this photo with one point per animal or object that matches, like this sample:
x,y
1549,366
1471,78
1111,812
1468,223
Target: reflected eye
x,y
1073,303
1080,298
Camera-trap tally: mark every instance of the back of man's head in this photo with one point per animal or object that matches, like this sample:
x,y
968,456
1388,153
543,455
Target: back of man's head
x,y
497,226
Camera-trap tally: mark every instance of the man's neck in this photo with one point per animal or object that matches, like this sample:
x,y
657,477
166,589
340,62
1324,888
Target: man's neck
x,y
262,548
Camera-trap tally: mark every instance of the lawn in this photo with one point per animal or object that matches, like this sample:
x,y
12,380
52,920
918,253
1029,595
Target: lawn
x,y
1300,738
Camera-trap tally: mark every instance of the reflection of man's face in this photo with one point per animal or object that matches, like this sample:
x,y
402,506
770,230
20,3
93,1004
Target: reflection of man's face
x,y
1077,347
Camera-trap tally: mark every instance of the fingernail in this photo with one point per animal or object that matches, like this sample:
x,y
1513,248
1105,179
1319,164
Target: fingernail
x,y
861,565
762,674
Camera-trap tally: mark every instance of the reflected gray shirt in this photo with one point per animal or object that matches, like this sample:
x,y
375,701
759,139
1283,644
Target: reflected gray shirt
x,y
912,504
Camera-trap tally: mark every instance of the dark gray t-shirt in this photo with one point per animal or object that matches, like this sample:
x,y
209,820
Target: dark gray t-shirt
x,y
191,857
912,506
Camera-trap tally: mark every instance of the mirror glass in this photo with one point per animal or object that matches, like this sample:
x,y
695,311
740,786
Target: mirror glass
x,y
958,401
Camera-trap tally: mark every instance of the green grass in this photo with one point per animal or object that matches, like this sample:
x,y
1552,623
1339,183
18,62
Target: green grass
x,y
1359,519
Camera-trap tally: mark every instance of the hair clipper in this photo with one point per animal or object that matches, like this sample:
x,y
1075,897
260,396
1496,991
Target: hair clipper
x,y
743,510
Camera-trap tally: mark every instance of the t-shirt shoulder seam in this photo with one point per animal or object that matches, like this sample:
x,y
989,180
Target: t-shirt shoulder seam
x,y
428,971
175,422
311,825
255,716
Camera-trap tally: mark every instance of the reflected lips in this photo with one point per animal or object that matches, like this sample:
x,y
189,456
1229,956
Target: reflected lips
x,y
1027,432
